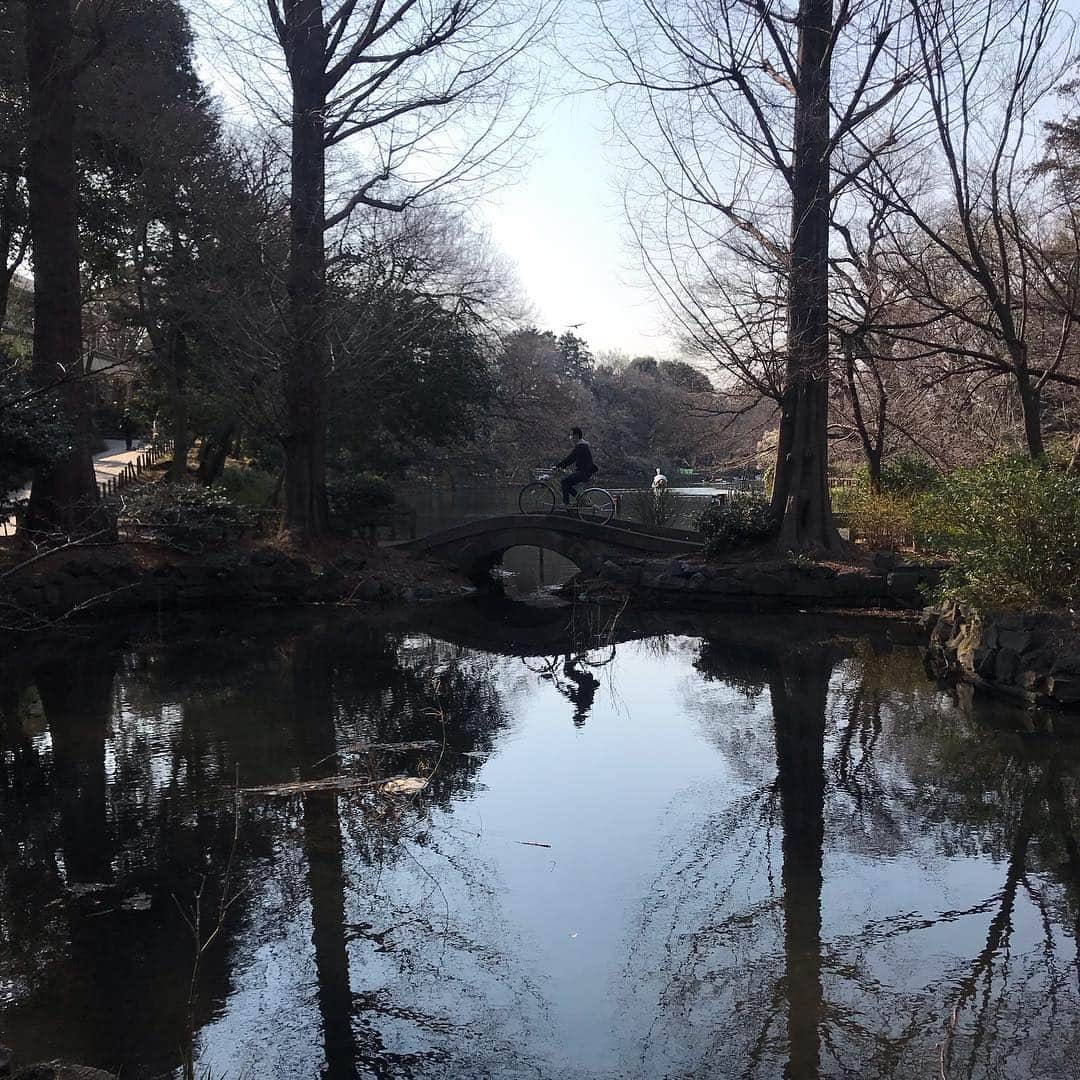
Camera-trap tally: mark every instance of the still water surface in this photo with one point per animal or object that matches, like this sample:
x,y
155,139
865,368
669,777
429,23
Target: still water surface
x,y
666,847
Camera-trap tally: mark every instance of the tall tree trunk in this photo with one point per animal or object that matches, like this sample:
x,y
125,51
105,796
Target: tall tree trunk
x,y
178,413
216,450
306,510
801,490
64,496
1031,406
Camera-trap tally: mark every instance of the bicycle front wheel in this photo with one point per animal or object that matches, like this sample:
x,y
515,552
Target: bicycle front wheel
x,y
595,505
536,498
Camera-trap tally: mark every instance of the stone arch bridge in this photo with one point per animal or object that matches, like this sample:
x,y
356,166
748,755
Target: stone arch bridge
x,y
475,547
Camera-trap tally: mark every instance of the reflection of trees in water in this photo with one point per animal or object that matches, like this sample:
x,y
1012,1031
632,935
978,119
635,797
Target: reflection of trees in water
x,y
401,979
758,960
875,762
84,866
128,783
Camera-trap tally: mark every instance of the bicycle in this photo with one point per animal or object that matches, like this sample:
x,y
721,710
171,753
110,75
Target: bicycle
x,y
540,496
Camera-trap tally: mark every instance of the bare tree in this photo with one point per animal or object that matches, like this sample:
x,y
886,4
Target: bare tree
x,y
880,400
989,256
420,92
748,102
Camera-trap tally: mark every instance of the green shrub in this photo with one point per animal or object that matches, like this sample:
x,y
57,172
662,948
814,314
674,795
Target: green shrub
x,y
742,518
1012,529
33,429
882,518
844,499
354,497
659,509
248,486
908,474
186,514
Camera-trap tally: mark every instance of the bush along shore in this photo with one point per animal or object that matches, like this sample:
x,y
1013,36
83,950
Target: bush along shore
x,y
185,546
741,566
994,550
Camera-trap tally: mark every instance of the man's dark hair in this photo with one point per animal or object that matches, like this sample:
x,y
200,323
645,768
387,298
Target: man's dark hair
x,y
576,432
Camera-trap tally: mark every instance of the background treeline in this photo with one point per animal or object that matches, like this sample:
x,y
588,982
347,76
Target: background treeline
x,y
953,244
309,292
184,257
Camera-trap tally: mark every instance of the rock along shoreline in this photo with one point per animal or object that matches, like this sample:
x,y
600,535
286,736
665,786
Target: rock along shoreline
x,y
887,583
1029,657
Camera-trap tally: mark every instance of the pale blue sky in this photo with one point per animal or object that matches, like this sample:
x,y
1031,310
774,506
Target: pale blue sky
x,y
562,222
557,217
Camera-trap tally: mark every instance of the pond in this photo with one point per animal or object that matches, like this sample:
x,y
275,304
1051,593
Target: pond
x,y
653,846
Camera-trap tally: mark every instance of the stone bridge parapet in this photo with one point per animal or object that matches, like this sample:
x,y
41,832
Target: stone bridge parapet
x,y
474,547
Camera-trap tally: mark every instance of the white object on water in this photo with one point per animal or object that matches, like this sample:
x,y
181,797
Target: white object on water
x,y
659,481
405,785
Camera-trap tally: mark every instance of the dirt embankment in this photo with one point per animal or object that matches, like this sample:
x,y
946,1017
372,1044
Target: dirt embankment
x,y
762,578
81,582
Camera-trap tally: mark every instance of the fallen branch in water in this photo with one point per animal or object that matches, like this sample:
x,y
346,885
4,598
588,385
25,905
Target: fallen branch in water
x,y
404,785
330,784
336,785
389,747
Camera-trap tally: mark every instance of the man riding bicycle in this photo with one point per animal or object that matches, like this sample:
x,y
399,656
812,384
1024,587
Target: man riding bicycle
x,y
580,459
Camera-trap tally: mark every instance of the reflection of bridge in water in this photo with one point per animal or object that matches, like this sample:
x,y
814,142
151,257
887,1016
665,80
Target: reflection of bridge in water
x,y
512,628
476,546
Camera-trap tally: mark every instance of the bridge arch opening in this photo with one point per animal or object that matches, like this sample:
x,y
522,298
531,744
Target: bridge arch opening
x,y
527,569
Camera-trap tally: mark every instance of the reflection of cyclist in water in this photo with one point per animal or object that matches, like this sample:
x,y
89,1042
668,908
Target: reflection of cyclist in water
x,y
582,693
575,682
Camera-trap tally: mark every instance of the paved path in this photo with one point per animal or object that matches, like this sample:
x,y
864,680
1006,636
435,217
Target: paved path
x,y
109,463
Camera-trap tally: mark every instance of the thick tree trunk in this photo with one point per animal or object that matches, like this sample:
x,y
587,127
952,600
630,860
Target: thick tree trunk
x,y
64,496
178,412
801,491
212,463
1031,406
306,511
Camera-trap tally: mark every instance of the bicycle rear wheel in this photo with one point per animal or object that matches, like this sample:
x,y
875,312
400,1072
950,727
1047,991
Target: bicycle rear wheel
x,y
536,498
595,505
